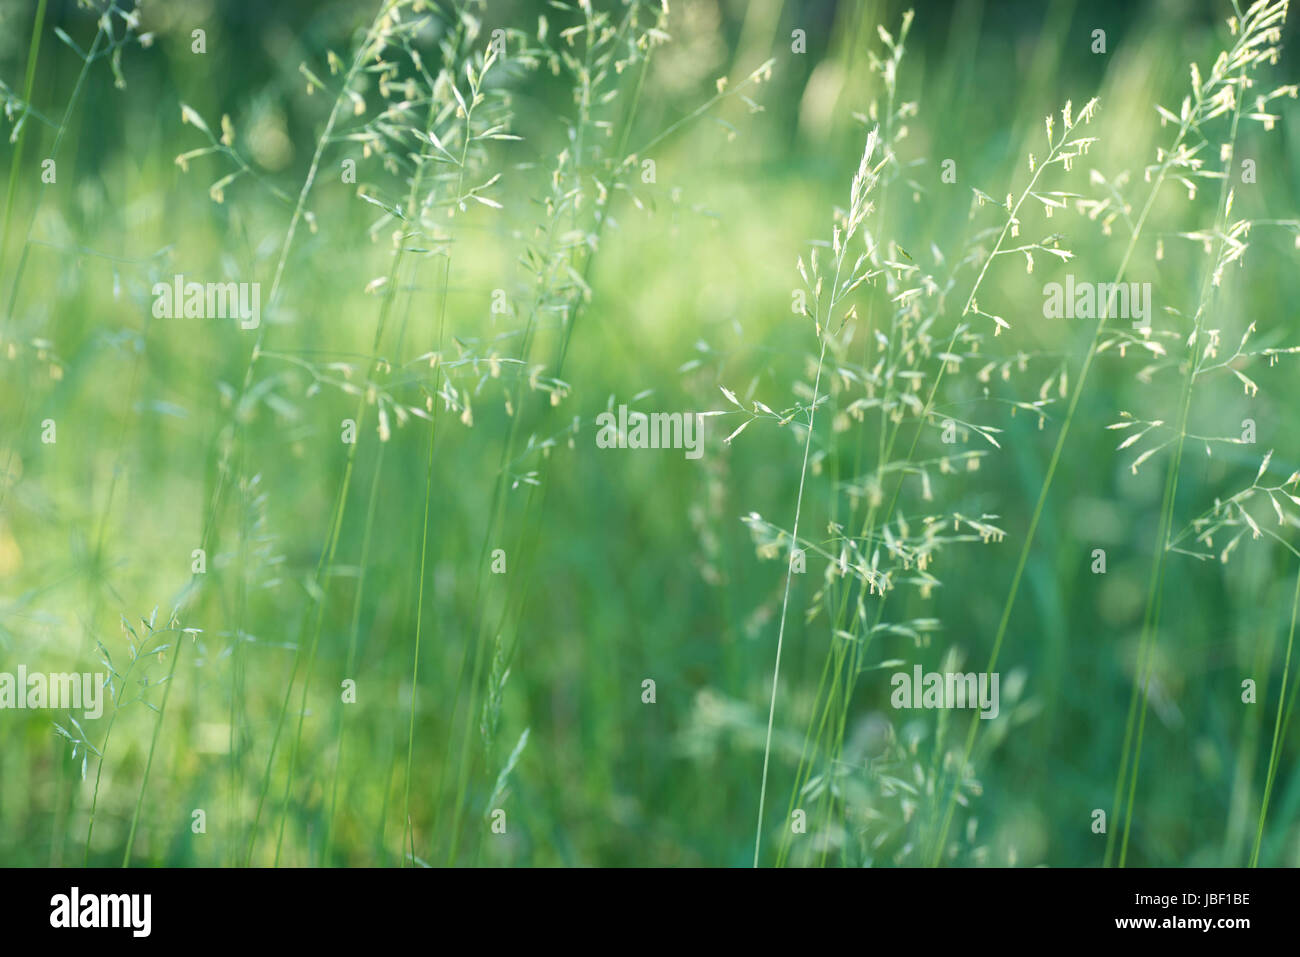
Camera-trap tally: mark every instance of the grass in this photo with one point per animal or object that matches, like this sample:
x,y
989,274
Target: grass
x,y
478,227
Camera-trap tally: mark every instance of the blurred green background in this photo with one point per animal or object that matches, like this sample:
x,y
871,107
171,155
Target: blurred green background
x,y
621,565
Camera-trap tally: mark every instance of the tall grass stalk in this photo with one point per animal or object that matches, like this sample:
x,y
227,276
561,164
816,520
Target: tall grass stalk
x,y
1275,748
60,131
864,184
1155,592
364,51
409,834
785,604
153,746
1080,381
504,646
1222,91
12,190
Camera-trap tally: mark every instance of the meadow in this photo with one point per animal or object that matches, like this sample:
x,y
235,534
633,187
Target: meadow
x,y
327,328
